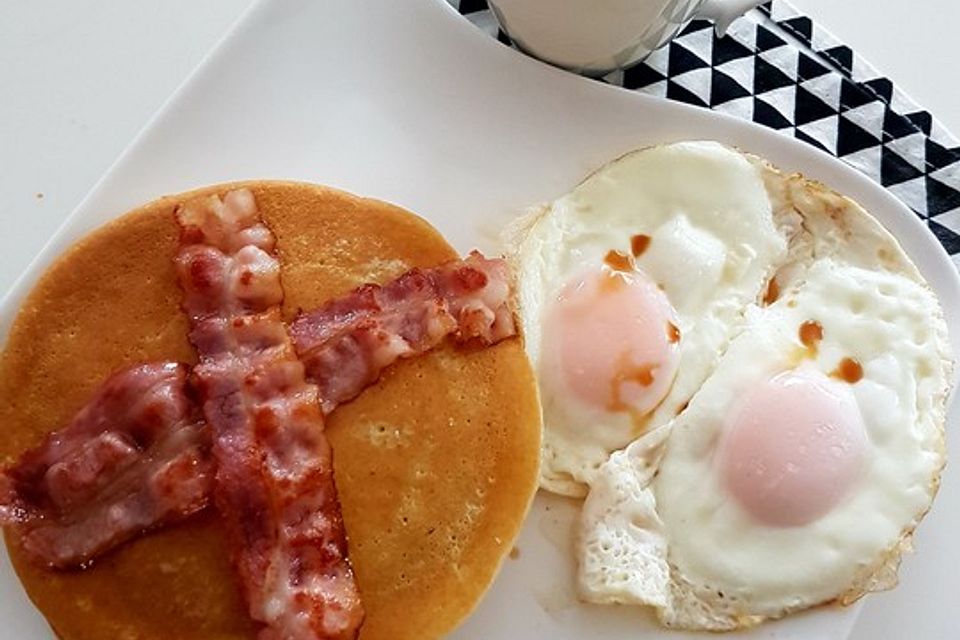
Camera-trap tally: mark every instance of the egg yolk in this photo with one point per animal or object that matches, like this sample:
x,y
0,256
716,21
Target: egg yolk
x,y
615,340
794,449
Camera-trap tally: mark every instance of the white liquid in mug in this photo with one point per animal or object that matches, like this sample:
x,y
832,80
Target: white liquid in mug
x,y
592,36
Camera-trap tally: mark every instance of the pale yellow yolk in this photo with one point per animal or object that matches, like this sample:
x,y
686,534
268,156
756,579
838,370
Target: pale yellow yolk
x,y
794,449
615,341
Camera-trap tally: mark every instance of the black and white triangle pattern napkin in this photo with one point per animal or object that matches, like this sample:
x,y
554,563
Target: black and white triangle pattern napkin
x,y
778,68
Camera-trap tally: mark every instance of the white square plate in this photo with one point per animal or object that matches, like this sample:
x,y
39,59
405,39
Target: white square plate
x,y
406,102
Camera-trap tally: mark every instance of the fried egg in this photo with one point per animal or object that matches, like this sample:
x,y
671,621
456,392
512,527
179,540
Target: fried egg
x,y
801,467
629,288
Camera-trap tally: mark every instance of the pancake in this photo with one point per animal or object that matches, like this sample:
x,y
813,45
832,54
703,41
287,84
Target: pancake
x,y
436,464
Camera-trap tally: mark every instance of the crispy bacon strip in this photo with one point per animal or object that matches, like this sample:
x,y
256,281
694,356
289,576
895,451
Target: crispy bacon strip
x,y
346,343
134,458
274,481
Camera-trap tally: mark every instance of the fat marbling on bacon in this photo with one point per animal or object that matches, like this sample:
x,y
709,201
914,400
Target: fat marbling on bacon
x,y
143,422
135,457
346,343
274,481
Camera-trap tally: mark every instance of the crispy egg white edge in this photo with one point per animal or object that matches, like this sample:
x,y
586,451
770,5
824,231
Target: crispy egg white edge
x,y
624,482
866,231
518,239
512,239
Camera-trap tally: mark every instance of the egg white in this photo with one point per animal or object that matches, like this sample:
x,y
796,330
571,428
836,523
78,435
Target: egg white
x,y
714,243
659,529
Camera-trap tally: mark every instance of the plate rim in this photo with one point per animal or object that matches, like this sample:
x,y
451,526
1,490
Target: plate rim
x,y
947,274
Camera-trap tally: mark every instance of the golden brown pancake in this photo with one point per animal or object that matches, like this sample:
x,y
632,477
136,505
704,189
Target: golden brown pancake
x,y
436,464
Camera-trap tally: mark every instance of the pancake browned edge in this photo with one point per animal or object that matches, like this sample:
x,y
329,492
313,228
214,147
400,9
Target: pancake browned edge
x,y
436,464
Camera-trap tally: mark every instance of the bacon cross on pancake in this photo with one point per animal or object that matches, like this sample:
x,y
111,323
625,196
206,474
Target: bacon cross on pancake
x,y
274,482
345,344
134,458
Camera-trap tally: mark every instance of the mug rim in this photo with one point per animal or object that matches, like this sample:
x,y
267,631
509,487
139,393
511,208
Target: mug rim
x,y
606,63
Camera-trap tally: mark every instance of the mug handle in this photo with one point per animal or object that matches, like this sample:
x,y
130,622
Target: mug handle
x,y
724,12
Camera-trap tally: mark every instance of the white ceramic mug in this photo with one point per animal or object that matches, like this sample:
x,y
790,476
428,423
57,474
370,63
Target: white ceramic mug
x,y
595,37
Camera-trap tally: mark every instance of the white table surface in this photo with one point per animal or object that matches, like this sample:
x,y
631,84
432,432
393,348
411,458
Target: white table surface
x,y
79,78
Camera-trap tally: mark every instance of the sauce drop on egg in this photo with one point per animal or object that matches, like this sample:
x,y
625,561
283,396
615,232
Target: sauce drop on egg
x,y
794,448
849,370
610,350
624,373
618,261
673,333
811,333
639,244
772,293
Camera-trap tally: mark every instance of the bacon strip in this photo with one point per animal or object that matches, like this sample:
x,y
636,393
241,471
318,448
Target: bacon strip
x,y
274,481
134,458
346,343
